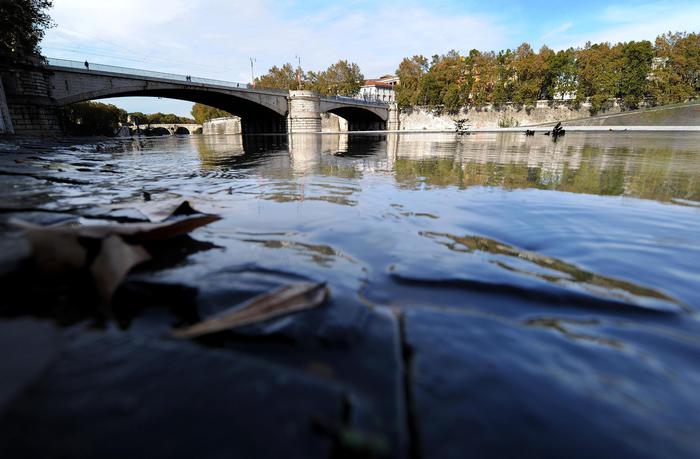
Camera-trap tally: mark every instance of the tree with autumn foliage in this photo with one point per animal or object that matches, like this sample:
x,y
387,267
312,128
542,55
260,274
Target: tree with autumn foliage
x,y
634,73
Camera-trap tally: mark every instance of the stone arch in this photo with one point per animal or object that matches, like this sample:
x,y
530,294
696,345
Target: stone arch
x,y
360,118
181,130
257,115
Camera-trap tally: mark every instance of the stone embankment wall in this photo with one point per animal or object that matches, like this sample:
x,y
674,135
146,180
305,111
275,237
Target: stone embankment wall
x,y
28,100
222,126
687,114
423,119
5,120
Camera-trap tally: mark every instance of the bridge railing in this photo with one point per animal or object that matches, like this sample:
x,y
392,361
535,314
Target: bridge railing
x,y
357,100
150,74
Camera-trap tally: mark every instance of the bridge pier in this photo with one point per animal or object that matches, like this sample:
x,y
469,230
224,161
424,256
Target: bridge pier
x,y
304,112
392,123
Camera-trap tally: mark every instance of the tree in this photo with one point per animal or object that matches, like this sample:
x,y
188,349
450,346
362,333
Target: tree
x,y
285,77
410,72
138,118
341,79
530,70
561,74
93,118
636,58
599,69
675,73
202,113
503,92
484,77
22,25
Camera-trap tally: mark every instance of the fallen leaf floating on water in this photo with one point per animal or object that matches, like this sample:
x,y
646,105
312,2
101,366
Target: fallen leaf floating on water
x,y
113,263
284,300
63,248
131,232
158,211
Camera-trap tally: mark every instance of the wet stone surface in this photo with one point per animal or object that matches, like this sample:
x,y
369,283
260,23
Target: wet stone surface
x,y
491,295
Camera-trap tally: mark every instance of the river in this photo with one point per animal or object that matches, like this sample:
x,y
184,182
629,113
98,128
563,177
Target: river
x,y
503,291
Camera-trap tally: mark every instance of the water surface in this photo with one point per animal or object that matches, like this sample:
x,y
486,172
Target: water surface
x,y
563,275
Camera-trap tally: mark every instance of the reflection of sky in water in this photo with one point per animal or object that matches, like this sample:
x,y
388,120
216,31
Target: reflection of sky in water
x,y
565,274
402,206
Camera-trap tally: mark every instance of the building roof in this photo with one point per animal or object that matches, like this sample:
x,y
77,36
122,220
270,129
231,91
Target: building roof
x,y
377,84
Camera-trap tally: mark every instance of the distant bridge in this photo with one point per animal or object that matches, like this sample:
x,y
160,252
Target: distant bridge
x,y
172,128
260,110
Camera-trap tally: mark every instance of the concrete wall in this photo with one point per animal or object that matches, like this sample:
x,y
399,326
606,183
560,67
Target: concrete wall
x,y
222,126
491,117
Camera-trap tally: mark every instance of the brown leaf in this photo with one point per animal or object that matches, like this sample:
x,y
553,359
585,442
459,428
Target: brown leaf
x,y
113,263
158,211
55,251
133,232
284,300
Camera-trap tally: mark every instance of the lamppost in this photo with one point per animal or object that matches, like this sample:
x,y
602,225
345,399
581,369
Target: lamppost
x,y
299,70
252,71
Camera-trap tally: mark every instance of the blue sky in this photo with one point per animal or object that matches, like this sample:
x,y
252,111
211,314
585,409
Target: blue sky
x,y
216,38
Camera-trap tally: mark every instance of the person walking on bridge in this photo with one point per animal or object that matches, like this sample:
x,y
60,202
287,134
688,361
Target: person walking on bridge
x,y
87,66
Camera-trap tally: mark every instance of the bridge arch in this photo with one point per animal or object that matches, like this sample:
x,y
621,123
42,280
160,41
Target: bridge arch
x,y
360,119
259,111
360,116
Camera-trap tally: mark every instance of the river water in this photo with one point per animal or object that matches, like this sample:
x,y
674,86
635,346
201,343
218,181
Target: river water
x,y
558,280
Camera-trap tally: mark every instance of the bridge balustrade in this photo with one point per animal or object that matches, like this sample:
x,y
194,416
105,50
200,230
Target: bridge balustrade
x,y
126,71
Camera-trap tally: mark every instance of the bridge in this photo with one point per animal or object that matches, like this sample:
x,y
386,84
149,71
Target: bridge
x,y
260,110
168,128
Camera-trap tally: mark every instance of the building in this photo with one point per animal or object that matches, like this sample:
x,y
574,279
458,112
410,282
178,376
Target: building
x,y
380,89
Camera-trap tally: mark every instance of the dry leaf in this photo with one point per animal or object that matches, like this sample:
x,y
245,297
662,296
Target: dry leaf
x,y
55,251
158,211
133,232
113,263
62,248
284,300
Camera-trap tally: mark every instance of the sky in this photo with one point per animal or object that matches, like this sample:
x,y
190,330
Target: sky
x,y
217,38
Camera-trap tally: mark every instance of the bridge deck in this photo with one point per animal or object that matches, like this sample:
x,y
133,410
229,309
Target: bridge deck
x,y
92,68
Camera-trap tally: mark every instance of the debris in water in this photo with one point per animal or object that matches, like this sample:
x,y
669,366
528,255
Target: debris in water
x,y
284,300
118,247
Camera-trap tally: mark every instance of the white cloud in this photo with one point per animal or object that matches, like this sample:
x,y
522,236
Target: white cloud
x,y
215,37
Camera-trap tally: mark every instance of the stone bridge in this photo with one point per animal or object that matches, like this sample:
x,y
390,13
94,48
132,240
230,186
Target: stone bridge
x,y
260,110
171,128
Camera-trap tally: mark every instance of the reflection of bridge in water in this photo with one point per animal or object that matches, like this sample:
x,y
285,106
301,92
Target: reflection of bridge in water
x,y
593,164
260,110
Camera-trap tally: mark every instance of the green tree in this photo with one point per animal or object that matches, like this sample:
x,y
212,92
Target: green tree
x,y
93,118
636,58
342,79
285,77
202,113
22,26
484,77
561,74
530,73
503,91
675,73
599,74
410,72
